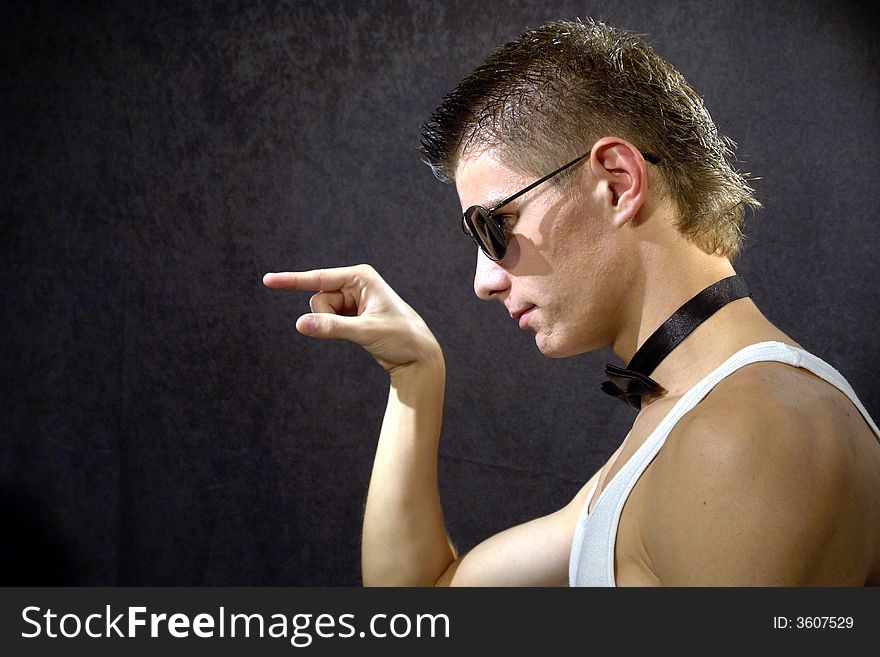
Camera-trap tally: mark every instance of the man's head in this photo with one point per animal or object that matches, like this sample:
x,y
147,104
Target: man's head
x,y
541,100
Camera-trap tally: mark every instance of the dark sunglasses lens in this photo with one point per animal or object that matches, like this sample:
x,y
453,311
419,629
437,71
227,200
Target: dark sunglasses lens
x,y
485,232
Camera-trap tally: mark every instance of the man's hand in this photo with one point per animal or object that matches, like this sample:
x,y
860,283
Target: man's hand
x,y
356,304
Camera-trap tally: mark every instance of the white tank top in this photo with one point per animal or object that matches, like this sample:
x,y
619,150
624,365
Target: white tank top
x,y
592,550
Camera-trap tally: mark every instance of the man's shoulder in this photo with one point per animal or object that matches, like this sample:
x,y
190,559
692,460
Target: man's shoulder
x,y
755,475
767,400
769,429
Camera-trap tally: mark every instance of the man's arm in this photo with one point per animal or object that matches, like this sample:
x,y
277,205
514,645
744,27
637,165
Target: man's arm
x,y
404,537
758,488
535,553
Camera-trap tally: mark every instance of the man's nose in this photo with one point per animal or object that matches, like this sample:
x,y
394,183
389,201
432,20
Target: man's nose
x,y
490,278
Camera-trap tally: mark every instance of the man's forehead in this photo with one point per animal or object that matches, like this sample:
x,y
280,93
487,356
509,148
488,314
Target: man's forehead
x,y
483,179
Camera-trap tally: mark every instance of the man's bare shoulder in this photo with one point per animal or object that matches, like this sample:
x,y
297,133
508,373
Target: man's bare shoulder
x,y
750,485
769,404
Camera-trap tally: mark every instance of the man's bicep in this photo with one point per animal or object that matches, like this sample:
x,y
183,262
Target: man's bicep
x,y
535,553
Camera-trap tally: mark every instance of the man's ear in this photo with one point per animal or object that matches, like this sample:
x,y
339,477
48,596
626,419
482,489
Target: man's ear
x,y
621,169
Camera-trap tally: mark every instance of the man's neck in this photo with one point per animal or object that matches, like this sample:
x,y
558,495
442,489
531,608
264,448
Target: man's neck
x,y
669,279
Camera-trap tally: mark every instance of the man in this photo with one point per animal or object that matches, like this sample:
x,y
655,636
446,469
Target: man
x,y
605,211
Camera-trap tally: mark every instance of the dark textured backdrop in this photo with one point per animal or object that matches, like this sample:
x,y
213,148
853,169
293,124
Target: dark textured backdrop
x,y
163,424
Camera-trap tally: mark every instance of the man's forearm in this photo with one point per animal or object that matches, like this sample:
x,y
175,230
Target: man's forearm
x,y
404,538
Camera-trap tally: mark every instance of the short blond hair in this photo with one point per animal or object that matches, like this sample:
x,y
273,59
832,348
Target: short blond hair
x,y
541,99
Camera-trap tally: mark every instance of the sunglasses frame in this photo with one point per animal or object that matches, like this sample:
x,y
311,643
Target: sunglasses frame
x,y
492,241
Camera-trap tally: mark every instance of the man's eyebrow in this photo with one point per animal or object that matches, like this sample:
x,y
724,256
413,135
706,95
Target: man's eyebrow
x,y
518,202
492,201
495,200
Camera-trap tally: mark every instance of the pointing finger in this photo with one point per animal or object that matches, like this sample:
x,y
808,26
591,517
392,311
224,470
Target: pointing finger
x,y
319,279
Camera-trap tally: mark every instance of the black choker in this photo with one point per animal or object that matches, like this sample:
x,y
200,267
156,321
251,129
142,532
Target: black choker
x,y
630,383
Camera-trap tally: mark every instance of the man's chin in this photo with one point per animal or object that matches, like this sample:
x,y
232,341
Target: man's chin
x,y
552,348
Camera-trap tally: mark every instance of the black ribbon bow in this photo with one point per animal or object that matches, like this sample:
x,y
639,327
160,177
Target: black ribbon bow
x,y
633,381
628,385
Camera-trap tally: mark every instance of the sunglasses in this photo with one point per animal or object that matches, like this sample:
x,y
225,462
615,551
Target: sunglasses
x,y
481,225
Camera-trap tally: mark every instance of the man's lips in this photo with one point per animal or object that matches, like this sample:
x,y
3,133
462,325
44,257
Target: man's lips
x,y
521,315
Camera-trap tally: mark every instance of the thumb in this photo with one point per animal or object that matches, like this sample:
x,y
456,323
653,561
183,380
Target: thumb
x,y
334,327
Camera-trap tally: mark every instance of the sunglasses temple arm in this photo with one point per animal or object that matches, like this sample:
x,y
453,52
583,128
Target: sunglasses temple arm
x,y
537,182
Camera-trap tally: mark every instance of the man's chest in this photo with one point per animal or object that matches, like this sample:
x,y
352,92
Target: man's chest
x,y
632,565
